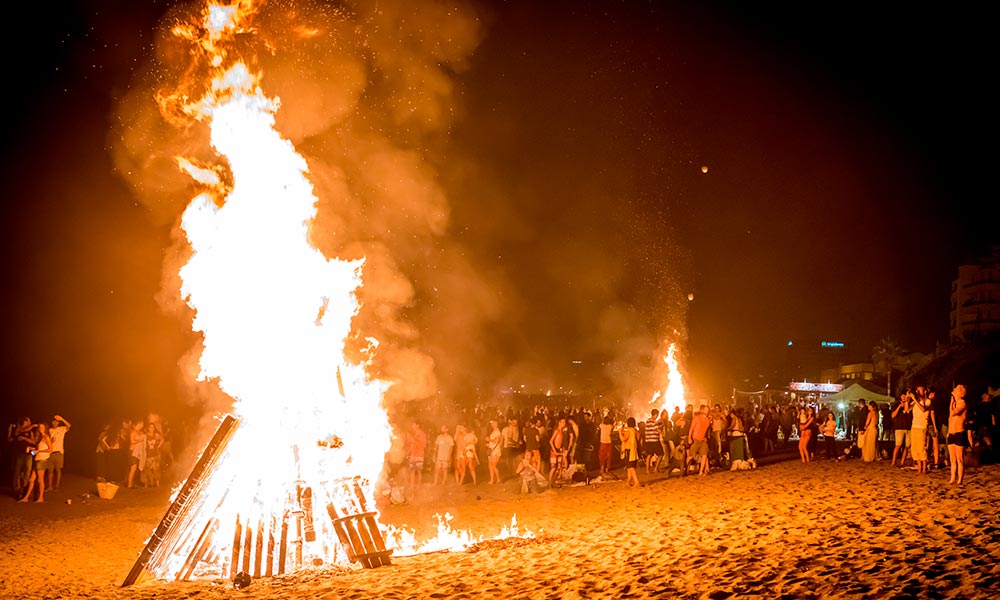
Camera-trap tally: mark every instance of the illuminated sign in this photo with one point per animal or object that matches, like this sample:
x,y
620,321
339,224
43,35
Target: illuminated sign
x,y
825,388
832,344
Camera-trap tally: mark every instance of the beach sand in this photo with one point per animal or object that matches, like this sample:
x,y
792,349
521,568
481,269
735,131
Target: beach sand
x,y
821,530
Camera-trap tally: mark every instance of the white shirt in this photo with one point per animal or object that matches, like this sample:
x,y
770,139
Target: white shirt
x,y
919,418
58,435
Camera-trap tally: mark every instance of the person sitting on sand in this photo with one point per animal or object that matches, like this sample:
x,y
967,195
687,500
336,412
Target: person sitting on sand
x,y
532,441
630,450
532,480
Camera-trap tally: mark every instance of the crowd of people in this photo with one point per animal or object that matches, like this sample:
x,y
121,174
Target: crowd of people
x,y
134,452
37,453
544,446
929,432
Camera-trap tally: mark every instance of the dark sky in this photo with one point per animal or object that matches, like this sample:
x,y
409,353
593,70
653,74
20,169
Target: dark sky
x,y
847,179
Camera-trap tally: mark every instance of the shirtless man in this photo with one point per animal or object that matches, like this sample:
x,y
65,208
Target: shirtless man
x,y
957,438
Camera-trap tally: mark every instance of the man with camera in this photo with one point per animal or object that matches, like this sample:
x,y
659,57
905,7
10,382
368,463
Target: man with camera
x,y
22,437
902,419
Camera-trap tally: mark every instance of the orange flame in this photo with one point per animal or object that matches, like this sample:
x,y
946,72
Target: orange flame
x,y
672,396
274,314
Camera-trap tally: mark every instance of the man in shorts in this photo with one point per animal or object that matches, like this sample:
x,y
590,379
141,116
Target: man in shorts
x,y
58,434
698,438
902,419
958,439
651,441
416,446
444,447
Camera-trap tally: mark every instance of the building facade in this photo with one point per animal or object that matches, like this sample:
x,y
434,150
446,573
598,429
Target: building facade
x,y
975,299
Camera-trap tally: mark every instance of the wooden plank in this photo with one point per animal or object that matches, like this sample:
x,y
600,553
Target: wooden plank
x,y
283,543
269,571
198,552
181,501
234,565
247,546
259,549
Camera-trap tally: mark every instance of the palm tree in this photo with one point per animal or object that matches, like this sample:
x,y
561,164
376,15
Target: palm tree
x,y
886,356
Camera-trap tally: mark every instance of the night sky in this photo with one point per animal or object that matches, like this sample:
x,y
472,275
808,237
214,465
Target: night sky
x,y
847,179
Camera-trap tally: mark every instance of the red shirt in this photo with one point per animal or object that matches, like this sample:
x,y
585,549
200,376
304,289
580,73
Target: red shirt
x,y
699,426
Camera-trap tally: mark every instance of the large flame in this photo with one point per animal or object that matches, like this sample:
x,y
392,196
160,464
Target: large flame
x,y
672,396
274,314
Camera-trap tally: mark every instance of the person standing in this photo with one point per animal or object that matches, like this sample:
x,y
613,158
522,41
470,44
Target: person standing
x,y
585,442
416,447
698,438
652,448
806,420
557,454
958,439
494,450
137,452
918,429
444,446
859,416
43,450
56,460
103,452
629,436
830,435
604,450
868,434
22,441
511,445
901,421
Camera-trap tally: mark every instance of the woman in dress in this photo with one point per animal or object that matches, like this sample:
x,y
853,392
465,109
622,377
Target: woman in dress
x,y
806,420
43,449
869,433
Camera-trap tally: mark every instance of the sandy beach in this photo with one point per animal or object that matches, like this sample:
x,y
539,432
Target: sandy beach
x,y
821,530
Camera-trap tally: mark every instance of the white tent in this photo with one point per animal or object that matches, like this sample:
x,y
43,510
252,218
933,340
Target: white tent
x,y
850,396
